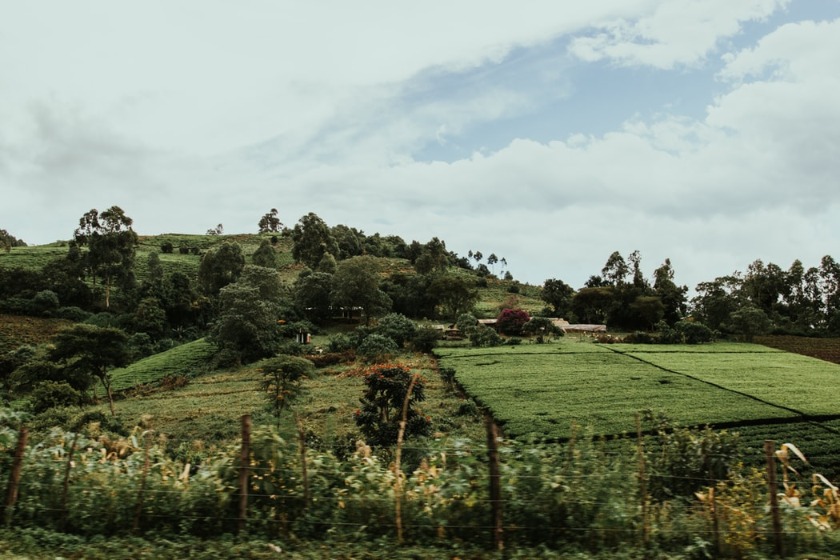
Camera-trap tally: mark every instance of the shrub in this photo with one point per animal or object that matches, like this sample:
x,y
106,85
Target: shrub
x,y
484,336
53,394
340,343
397,327
511,321
166,247
72,313
425,339
376,348
46,301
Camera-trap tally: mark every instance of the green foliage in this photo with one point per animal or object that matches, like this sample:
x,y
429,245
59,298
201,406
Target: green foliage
x,y
246,327
483,336
356,284
425,339
264,255
282,381
312,240
749,321
54,394
387,387
377,348
220,267
269,223
312,295
397,327
685,332
455,294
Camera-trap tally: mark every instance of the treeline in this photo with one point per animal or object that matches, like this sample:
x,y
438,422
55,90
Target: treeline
x,y
764,299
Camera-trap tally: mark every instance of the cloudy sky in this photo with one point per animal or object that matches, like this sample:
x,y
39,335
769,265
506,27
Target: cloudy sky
x,y
551,133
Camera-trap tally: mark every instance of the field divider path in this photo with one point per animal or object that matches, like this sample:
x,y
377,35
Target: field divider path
x,y
803,416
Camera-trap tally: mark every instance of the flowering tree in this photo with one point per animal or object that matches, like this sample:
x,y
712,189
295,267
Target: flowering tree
x,y
511,321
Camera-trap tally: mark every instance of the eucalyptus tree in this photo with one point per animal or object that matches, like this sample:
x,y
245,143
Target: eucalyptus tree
x,y
111,244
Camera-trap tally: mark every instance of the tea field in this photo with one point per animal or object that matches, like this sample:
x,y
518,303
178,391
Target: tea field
x,y
542,391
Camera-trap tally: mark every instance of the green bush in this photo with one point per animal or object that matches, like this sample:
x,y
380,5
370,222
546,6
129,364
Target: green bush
x,y
54,394
484,336
377,348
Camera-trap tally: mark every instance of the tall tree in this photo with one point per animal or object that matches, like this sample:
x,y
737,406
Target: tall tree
x,y
265,255
269,223
219,267
455,294
92,350
356,284
615,269
312,239
111,244
558,295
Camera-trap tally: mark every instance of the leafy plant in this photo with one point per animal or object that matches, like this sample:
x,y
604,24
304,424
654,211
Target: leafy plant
x,y
387,391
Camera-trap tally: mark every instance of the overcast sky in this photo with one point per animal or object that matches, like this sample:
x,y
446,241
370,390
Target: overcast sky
x,y
551,133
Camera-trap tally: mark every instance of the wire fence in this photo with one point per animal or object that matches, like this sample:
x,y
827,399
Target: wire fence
x,y
505,492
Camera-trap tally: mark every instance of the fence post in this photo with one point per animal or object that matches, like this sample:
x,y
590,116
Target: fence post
x,y
302,449
772,487
640,446
495,481
66,485
398,461
244,466
14,476
138,509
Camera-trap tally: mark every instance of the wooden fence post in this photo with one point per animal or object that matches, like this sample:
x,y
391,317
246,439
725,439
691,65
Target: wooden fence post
x,y
398,461
772,487
14,476
495,481
643,492
244,467
138,509
66,485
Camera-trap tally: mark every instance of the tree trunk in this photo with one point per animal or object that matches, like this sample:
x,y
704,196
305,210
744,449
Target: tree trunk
x,y
107,385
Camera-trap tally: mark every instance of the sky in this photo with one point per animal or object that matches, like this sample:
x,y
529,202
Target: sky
x,y
551,133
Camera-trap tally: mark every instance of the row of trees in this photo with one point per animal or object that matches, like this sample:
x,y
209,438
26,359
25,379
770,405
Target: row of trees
x,y
764,298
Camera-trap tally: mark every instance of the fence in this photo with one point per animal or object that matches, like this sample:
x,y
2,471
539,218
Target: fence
x,y
532,495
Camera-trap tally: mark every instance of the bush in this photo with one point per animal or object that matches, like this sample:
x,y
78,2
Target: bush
x,y
484,336
382,404
425,339
377,348
511,321
166,247
46,301
397,327
72,313
53,394
340,343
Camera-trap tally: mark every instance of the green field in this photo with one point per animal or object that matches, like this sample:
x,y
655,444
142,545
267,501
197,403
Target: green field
x,y
542,390
187,360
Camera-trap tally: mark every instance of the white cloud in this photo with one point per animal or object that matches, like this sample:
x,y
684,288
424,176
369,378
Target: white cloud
x,y
675,33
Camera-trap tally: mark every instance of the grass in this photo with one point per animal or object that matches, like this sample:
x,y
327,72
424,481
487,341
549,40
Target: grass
x,y
188,360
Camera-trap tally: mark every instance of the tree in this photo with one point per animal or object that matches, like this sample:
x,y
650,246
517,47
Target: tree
x,y
648,310
379,417
511,321
397,327
247,327
92,350
454,294
750,321
269,223
218,230
282,381
356,284
350,241
492,260
433,258
558,295
615,270
312,295
111,244
220,267
312,239
673,297
265,255
591,305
